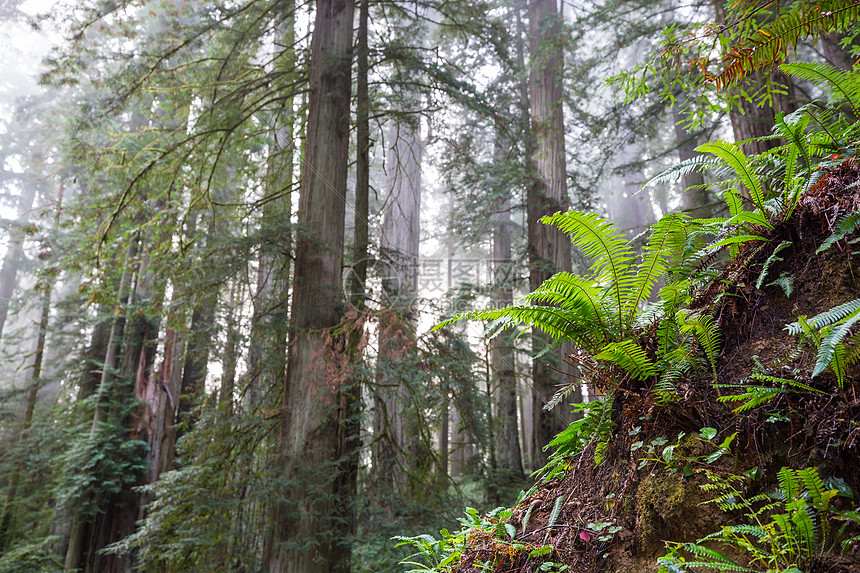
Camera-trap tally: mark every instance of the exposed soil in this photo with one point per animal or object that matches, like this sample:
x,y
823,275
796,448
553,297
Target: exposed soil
x,y
657,502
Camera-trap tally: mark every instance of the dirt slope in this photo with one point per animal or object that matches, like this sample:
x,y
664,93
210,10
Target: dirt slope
x,y
653,502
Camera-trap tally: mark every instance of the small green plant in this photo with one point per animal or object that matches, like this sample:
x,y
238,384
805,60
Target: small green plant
x,y
492,531
660,451
785,531
769,387
826,332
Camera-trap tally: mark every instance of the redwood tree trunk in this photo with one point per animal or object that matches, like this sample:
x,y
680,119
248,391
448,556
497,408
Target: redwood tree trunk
x,y
549,248
395,424
502,351
313,521
358,276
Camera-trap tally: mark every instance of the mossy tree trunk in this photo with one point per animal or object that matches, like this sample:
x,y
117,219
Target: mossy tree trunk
x,y
311,524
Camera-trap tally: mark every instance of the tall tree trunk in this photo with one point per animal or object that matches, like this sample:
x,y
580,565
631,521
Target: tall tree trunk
x,y
230,360
398,438
507,437
267,355
549,248
129,358
502,355
311,525
358,276
124,508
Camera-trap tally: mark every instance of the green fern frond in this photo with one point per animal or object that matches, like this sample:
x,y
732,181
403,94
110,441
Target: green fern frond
x,y
715,559
786,382
833,335
668,238
734,201
556,510
785,282
679,170
790,485
771,259
847,224
792,128
744,529
570,291
733,157
826,318
754,396
606,246
629,356
840,85
751,218
815,486
559,323
707,332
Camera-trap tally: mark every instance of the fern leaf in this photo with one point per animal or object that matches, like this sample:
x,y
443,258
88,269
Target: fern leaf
x,y
667,238
749,218
605,245
846,225
771,259
790,485
556,509
786,382
679,170
559,323
740,163
707,332
840,85
826,318
629,356
835,335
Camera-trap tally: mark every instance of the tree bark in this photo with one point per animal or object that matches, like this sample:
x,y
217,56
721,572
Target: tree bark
x,y
311,525
397,435
502,350
549,249
358,276
267,356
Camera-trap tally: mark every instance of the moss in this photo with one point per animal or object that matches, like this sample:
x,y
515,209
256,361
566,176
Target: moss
x,y
661,500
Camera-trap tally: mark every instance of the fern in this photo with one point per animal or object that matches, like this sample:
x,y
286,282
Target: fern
x,y
782,533
679,170
707,332
840,85
833,335
608,249
826,318
629,356
846,225
740,164
770,260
